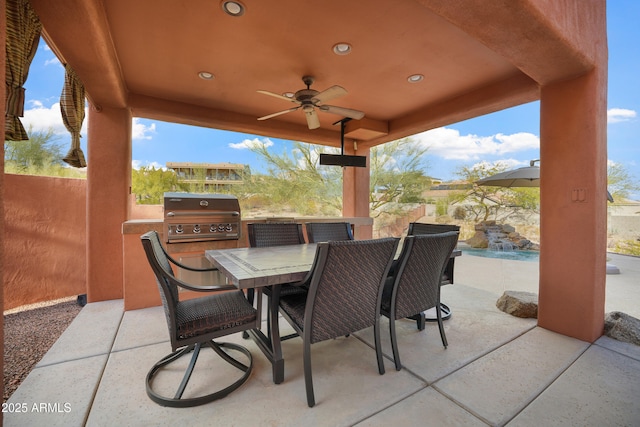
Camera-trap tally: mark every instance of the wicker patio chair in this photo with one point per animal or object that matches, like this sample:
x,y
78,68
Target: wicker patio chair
x,y
275,234
345,292
415,287
328,231
416,228
197,322
263,235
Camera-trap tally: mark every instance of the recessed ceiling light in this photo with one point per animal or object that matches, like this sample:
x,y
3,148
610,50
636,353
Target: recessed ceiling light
x,y
415,78
342,49
233,8
205,75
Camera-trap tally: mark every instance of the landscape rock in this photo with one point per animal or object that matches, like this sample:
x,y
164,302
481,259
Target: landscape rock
x,y
519,304
491,235
622,327
479,240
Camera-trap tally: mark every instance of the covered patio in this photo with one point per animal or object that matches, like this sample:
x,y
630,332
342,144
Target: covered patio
x,y
498,369
414,65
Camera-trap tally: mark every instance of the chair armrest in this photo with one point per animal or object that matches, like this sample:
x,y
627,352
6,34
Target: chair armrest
x,y
186,267
202,288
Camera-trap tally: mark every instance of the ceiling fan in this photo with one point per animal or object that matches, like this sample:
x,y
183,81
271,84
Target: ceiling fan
x,y
309,99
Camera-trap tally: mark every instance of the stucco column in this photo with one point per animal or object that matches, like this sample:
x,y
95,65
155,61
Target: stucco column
x,y
355,193
573,220
108,188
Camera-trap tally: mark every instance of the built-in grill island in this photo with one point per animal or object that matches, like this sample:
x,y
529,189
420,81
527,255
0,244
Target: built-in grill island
x,y
194,217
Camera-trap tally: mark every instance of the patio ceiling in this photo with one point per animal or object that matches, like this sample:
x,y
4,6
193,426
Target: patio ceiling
x,y
477,57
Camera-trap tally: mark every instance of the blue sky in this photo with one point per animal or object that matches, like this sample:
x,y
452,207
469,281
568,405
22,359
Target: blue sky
x,y
510,136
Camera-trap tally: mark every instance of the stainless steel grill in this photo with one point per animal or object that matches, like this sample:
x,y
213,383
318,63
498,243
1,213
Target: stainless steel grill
x,y
191,217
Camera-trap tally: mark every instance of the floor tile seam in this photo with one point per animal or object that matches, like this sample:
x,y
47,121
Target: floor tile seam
x,y
75,359
123,349
460,404
85,356
71,359
104,368
616,351
541,391
390,405
472,360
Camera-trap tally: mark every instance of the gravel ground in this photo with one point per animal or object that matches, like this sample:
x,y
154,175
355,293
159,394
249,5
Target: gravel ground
x,y
29,332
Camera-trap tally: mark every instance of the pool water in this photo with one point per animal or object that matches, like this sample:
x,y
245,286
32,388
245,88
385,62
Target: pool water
x,y
531,256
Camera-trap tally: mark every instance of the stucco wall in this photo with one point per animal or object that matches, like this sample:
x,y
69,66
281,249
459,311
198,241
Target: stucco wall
x,y
45,243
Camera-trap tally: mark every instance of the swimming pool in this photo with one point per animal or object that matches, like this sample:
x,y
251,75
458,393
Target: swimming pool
x,y
531,256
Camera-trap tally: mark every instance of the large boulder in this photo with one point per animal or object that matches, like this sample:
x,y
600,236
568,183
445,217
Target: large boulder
x,y
622,327
519,304
479,240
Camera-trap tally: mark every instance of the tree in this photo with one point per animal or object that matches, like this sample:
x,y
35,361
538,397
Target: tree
x,y
297,182
149,184
397,173
40,152
499,202
620,182
302,184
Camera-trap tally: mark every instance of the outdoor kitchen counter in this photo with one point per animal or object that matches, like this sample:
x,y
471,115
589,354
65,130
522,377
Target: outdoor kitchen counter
x,y
140,289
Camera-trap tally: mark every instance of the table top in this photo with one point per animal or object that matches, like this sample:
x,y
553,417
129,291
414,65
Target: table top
x,y
256,267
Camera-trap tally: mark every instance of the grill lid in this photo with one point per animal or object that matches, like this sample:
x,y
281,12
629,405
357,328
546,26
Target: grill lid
x,y
174,203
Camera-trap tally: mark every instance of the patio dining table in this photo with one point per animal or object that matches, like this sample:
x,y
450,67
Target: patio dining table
x,y
254,268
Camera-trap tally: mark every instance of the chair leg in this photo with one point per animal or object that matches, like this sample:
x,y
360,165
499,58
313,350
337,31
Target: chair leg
x,y
376,333
188,372
308,379
441,327
394,343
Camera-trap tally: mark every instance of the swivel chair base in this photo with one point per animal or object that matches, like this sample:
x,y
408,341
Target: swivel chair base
x,y
177,401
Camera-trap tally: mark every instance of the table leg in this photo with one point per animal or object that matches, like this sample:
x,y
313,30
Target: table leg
x,y
270,345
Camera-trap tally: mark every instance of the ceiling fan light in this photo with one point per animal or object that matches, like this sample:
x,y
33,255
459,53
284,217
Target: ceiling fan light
x,y
342,49
205,75
233,8
289,94
415,78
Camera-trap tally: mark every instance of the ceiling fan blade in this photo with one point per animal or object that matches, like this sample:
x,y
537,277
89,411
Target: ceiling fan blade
x,y
276,95
341,111
331,93
312,119
278,113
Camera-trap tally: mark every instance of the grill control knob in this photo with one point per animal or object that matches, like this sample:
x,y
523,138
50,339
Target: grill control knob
x,y
179,228
221,227
229,227
213,228
196,228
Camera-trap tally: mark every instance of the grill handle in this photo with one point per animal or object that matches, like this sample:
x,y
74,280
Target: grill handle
x,y
201,213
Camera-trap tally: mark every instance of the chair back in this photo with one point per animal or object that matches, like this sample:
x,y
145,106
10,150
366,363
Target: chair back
x,y
420,268
328,231
275,234
416,228
346,286
159,262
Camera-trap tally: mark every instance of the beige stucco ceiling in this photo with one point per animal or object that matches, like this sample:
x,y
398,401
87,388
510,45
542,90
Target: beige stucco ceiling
x,y
146,55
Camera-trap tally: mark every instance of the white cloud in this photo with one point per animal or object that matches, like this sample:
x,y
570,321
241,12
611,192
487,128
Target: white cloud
x,y
617,115
141,131
251,143
449,144
42,118
137,164
53,61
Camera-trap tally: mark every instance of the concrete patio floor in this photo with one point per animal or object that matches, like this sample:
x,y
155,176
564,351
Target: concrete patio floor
x,y
498,369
